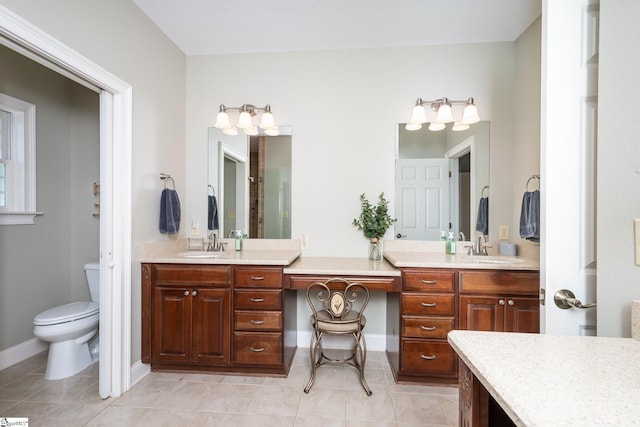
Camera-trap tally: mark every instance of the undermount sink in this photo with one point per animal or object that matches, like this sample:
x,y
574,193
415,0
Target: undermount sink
x,y
492,260
202,254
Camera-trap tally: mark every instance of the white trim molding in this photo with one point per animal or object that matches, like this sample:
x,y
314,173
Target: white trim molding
x,y
115,188
20,352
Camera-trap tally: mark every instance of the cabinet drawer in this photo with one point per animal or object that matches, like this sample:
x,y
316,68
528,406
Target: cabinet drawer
x,y
181,274
428,304
258,348
500,282
381,283
429,280
428,357
258,320
258,277
426,327
256,299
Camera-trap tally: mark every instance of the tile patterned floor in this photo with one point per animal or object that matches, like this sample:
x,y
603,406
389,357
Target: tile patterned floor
x,y
171,399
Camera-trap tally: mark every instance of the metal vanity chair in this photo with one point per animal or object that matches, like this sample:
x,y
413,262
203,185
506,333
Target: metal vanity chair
x,y
337,306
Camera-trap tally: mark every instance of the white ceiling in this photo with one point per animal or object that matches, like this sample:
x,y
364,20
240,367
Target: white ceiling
x,y
208,27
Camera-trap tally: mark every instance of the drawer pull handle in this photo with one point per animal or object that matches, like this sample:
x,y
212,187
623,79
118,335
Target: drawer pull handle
x,y
257,350
256,322
428,304
433,356
257,299
429,282
257,277
428,328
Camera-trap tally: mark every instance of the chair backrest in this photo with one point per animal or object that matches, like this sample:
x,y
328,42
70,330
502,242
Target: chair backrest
x,y
337,297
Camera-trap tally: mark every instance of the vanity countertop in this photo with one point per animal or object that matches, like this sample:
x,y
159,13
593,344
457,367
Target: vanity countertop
x,y
547,380
459,261
341,267
254,253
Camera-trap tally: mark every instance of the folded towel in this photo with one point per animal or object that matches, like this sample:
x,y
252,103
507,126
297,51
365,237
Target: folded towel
x,y
213,213
169,211
482,222
530,216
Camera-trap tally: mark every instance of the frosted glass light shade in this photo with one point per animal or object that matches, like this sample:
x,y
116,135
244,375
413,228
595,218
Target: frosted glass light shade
x,y
470,115
413,126
436,126
244,120
222,120
251,131
458,126
230,131
418,115
267,121
274,131
444,114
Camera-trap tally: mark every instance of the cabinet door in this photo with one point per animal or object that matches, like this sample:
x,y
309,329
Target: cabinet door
x,y
212,326
479,313
522,315
171,325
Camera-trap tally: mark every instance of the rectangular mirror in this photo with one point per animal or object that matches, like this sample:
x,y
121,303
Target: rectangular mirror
x,y
440,179
249,184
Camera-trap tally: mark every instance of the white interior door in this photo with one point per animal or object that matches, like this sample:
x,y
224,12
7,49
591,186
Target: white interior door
x,y
568,190
422,198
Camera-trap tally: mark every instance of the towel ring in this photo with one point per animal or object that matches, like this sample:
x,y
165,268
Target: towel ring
x,y
213,190
486,187
166,177
536,177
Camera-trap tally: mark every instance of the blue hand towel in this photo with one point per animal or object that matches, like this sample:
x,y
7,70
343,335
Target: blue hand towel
x,y
213,213
482,222
530,216
169,211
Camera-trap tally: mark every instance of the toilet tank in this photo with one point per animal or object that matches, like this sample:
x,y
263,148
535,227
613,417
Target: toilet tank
x,y
92,270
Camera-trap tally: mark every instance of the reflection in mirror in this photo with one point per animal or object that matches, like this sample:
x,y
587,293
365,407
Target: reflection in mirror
x,y
440,179
250,180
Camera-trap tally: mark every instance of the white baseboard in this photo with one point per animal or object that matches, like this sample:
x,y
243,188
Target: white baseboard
x,y
20,352
138,371
375,342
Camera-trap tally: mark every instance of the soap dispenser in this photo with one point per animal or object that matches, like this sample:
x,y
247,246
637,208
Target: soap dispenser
x,y
451,244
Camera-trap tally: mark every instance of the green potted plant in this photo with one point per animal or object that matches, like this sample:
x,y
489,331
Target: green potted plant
x,y
374,221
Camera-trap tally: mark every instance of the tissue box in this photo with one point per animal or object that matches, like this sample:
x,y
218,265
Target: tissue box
x,y
508,248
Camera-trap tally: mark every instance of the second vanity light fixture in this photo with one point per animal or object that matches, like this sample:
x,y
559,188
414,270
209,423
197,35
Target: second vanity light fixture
x,y
443,114
245,120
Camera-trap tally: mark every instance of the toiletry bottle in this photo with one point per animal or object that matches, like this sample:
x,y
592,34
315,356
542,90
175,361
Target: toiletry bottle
x,y
443,237
238,240
451,244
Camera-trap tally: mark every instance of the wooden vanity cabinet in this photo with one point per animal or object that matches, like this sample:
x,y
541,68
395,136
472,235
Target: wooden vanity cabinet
x,y
504,301
427,314
187,320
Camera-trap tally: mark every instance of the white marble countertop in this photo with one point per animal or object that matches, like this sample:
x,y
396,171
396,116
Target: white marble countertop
x,y
546,380
341,267
443,260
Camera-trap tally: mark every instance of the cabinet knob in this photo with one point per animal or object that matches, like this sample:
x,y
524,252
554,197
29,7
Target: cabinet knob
x,y
194,293
186,293
511,302
501,302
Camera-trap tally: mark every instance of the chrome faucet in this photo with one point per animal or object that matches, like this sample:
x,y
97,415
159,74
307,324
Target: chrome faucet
x,y
461,236
214,244
480,248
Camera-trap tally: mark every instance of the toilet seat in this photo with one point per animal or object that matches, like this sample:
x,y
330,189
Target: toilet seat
x,y
67,313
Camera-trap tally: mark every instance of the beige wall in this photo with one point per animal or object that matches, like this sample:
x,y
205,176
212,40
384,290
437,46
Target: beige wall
x,y
116,35
41,265
618,159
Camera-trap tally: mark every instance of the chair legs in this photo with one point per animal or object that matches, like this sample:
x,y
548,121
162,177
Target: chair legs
x,y
357,359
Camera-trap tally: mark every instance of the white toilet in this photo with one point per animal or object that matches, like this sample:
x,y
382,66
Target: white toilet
x,y
69,328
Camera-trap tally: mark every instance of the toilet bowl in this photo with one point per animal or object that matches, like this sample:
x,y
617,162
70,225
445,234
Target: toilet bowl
x,y
69,329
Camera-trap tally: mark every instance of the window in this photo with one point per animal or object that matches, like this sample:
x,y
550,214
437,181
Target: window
x,y
17,161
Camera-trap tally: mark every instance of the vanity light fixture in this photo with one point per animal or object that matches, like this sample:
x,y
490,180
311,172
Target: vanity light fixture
x,y
444,114
245,120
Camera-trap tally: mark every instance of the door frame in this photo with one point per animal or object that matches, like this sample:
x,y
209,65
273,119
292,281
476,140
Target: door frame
x,y
115,189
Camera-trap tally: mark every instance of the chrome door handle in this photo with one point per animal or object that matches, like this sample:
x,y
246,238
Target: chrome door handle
x,y
565,299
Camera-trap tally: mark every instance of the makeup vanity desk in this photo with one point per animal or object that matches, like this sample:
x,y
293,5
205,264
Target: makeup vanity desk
x,y
238,312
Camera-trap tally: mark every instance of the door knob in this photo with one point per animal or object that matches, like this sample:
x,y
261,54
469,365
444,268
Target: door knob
x,y
400,236
565,299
